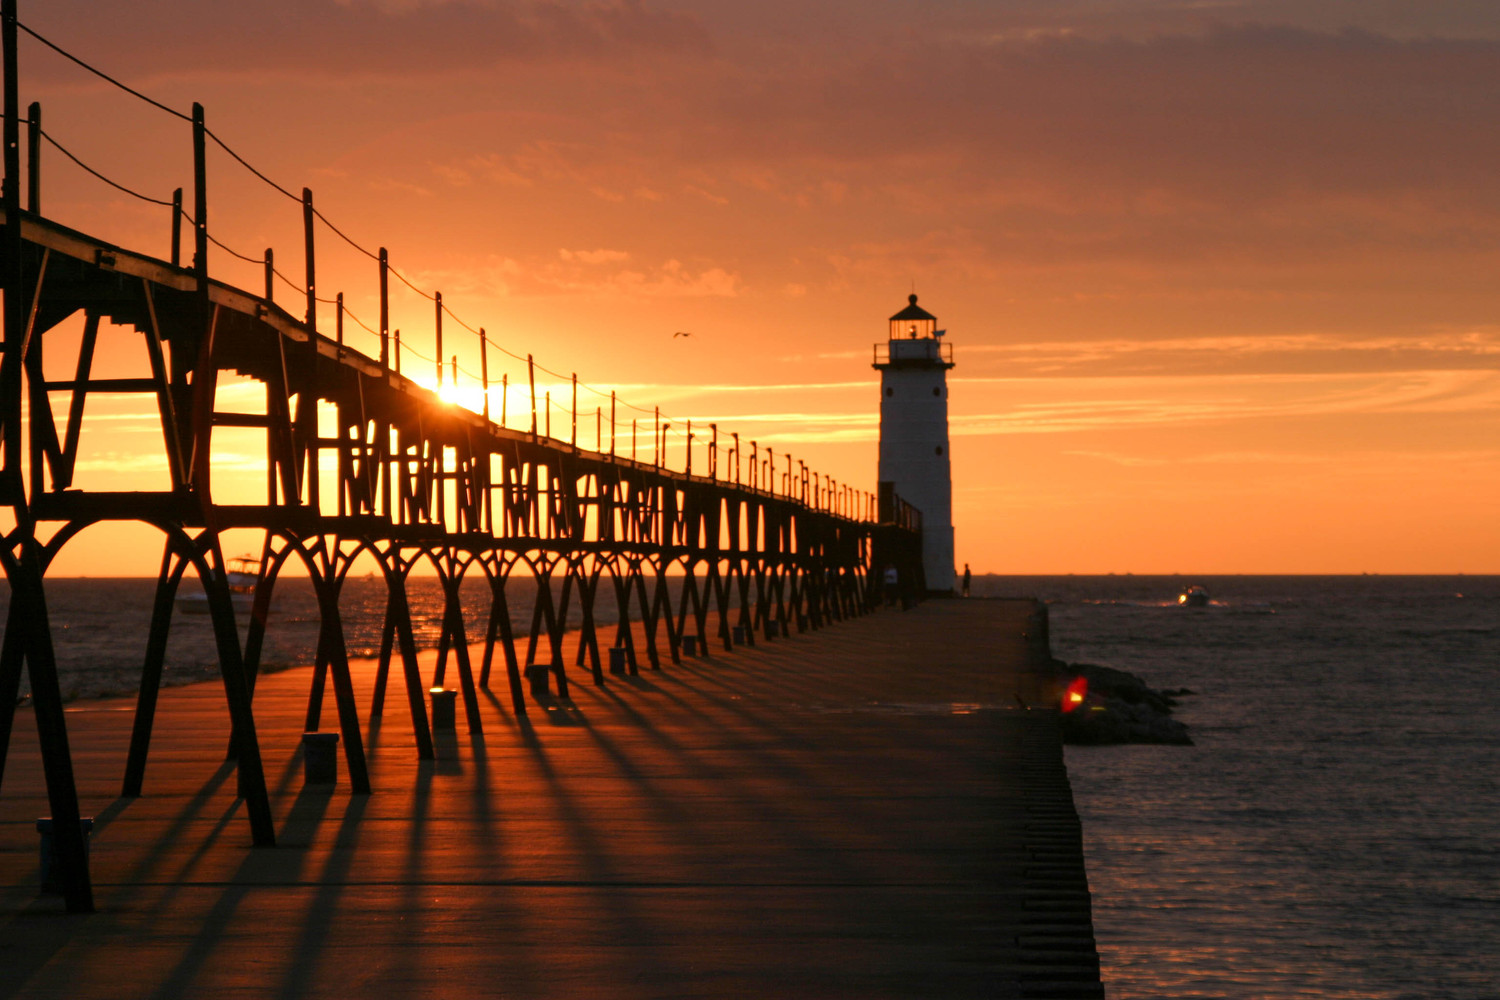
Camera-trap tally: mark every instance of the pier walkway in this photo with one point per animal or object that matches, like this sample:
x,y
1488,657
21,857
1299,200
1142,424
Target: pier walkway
x,y
862,811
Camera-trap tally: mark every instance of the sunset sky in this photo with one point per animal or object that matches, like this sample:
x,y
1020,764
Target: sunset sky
x,y
1220,277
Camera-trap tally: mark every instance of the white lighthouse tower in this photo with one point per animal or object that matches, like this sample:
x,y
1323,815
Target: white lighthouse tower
x,y
913,368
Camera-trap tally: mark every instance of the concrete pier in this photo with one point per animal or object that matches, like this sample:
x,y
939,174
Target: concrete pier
x,y
864,811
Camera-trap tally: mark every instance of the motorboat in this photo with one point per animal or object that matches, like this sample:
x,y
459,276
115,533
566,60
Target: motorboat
x,y
1194,596
243,574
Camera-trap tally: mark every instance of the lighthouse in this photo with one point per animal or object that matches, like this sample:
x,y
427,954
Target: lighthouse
x,y
913,366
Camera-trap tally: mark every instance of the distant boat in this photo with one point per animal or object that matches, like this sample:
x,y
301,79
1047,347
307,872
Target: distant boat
x,y
244,573
1195,596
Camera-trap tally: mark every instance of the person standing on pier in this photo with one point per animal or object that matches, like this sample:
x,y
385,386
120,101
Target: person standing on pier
x,y
892,585
967,578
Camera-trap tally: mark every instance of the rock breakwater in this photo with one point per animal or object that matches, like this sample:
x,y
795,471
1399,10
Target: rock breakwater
x,y
1118,707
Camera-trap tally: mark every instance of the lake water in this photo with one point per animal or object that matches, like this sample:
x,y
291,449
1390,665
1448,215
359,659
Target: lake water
x,y
1335,832
99,626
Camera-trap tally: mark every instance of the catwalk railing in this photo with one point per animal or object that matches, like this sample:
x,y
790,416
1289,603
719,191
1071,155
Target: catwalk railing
x,y
413,481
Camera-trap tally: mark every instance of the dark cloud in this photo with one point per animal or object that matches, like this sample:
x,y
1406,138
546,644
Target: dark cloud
x,y
1239,114
1341,177
394,38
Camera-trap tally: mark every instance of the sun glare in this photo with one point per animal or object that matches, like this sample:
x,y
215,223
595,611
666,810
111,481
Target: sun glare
x,y
468,397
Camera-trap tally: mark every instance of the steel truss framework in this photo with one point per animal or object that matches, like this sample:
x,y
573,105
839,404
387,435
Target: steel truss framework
x,y
417,481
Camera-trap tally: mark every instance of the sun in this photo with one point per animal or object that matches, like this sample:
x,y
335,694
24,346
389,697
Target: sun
x,y
470,397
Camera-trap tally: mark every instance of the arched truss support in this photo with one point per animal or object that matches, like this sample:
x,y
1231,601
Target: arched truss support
x,y
327,566
499,565
584,571
643,582
548,616
28,640
691,603
452,563
205,554
397,636
624,572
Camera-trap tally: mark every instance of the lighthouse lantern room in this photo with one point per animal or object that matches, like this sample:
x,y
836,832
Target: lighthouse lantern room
x,y
914,457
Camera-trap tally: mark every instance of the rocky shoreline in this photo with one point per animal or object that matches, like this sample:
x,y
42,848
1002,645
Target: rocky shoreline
x,y
1118,707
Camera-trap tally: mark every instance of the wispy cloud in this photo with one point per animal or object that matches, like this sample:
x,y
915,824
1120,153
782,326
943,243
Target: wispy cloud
x,y
122,462
1385,459
1268,354
588,274
1194,400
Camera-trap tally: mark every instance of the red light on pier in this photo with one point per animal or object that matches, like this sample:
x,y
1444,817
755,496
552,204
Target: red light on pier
x,y
1077,690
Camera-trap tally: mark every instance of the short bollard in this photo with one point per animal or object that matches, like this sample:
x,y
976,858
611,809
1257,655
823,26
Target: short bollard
x,y
51,877
690,645
739,635
320,758
617,659
442,709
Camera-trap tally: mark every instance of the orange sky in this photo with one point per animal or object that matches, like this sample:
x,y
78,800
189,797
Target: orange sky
x,y
1220,278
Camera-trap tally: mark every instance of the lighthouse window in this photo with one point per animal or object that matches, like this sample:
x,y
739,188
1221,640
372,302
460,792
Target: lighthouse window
x,y
936,391
889,391
939,449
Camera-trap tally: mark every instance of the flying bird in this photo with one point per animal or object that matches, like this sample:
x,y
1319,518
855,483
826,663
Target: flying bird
x,y
683,333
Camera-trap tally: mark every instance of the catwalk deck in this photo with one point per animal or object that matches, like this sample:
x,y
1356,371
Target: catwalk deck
x,y
866,810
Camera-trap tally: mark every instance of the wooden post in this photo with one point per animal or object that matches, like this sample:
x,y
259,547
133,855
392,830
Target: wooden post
x,y
338,329
34,159
203,411
531,377
575,410
484,371
307,401
200,203
177,228
437,299
270,276
15,310
612,424
385,310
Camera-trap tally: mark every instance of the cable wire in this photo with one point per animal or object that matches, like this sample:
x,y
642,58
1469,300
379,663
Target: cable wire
x,y
244,163
114,184
402,278
101,74
359,322
340,234
290,283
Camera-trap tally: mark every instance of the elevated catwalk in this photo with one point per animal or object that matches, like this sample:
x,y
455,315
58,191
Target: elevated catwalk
x,y
861,811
